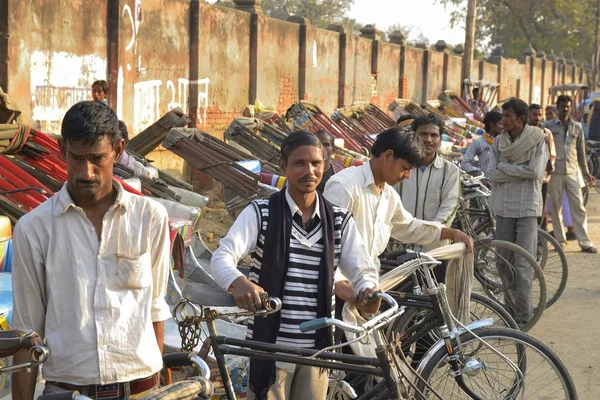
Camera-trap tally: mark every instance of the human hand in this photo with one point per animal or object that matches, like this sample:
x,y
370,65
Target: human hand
x,y
589,178
365,301
246,294
344,290
461,237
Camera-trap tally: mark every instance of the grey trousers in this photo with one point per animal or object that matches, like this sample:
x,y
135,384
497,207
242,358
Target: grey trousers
x,y
570,184
523,233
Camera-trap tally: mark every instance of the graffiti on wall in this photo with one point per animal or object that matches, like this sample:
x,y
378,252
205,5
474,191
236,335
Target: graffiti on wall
x,y
148,102
59,80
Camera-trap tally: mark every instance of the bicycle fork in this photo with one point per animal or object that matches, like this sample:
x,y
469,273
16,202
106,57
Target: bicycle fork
x,y
384,351
227,383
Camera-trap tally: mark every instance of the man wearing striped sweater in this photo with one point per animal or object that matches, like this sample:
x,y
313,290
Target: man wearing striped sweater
x,y
296,239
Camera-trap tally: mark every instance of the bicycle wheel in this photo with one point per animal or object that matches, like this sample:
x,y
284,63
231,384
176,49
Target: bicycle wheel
x,y
489,376
480,307
501,281
553,262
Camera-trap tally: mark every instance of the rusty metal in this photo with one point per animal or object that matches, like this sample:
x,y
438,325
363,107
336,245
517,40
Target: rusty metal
x,y
151,137
150,187
247,133
213,157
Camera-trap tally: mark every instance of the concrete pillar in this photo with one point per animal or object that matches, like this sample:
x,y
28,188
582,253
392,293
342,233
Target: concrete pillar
x,y
341,62
251,6
303,22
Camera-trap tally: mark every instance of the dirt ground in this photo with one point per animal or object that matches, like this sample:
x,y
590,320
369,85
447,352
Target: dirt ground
x,y
571,326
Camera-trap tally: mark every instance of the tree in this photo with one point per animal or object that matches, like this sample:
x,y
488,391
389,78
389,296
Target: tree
x,y
321,13
560,25
398,27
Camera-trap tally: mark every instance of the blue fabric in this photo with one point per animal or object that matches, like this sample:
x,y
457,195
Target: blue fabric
x,y
7,262
6,298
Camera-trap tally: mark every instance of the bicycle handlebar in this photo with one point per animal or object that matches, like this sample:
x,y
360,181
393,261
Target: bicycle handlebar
x,y
324,322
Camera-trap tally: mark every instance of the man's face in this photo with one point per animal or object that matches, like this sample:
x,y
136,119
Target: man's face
x,y
429,138
495,128
90,167
510,122
327,143
564,109
395,170
550,114
535,117
98,93
303,169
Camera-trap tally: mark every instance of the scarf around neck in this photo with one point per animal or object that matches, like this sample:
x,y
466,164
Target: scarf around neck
x,y
273,271
523,148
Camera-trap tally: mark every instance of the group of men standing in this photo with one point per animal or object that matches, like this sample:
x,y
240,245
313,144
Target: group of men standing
x,y
103,252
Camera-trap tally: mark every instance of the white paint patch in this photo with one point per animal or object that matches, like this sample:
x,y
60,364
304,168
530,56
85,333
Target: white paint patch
x,y
59,80
120,84
146,104
315,54
537,95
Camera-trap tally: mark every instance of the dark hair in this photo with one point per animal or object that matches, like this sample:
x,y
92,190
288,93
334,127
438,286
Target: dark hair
x,y
490,118
89,121
404,118
402,142
123,130
534,106
430,119
323,131
563,98
553,108
295,140
103,84
518,106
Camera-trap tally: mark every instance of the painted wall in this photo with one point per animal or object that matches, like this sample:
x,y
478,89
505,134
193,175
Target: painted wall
x,y
161,54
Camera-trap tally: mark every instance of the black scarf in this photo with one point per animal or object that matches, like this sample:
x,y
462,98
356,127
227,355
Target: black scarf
x,y
273,272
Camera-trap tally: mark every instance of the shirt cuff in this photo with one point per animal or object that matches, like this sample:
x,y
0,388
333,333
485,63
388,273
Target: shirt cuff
x,y
365,284
160,310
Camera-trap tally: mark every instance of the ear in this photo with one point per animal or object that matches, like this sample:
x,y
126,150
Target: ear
x,y
388,154
62,146
282,165
119,148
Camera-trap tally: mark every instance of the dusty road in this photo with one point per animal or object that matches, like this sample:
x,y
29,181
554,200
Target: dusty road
x,y
571,327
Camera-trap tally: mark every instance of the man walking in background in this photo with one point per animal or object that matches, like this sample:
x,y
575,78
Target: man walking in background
x,y
480,148
570,157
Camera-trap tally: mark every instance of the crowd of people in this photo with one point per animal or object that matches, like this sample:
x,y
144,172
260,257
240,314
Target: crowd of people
x,y
91,264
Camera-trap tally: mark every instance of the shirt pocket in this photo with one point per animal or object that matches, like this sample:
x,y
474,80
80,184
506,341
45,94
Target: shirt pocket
x,y
134,272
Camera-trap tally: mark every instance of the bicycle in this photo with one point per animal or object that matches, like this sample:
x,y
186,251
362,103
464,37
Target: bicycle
x,y
550,255
471,374
200,387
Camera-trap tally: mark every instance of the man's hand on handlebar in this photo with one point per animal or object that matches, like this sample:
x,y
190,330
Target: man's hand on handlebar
x,y
246,294
365,302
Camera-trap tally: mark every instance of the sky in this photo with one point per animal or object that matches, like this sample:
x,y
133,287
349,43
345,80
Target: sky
x,y
425,16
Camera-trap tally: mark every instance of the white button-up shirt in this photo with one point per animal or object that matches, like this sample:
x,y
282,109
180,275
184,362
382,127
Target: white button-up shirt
x,y
378,215
93,301
241,241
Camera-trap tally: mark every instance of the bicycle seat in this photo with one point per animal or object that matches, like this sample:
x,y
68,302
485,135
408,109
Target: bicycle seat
x,y
594,144
205,295
12,341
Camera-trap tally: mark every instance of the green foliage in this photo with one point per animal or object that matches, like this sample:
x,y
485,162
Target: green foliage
x,y
564,26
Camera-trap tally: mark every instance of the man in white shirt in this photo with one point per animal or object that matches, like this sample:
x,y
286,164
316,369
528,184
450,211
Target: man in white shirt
x,y
367,192
296,239
90,270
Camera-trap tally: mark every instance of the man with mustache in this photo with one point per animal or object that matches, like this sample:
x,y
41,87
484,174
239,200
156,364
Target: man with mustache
x,y
368,193
432,192
570,160
296,239
90,270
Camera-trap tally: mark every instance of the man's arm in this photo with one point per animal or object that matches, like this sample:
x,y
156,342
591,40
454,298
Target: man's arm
x,y
533,170
336,193
28,281
450,197
408,229
493,173
468,163
160,254
237,244
159,332
581,154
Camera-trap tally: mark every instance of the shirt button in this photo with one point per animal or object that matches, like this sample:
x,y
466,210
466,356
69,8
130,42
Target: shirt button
x,y
105,347
101,318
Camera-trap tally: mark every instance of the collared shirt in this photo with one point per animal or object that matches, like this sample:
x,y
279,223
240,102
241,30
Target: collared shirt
x,y
570,147
378,215
517,189
243,235
432,194
479,148
93,301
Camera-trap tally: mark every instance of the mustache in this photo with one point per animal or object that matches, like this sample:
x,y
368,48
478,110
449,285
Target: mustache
x,y
307,179
88,182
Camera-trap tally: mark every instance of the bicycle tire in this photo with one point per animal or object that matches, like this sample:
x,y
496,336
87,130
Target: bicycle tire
x,y
494,285
481,307
553,261
528,350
